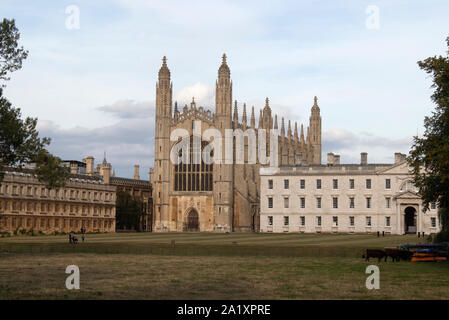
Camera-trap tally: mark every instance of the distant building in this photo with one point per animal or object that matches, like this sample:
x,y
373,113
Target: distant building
x,y
88,200
344,198
26,204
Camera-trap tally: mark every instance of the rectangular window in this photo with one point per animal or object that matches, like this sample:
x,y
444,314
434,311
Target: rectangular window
x,y
270,184
368,183
285,220
270,202
335,202
387,183
303,220
433,205
387,202
351,184
368,221
286,184
387,221
286,202
302,184
270,220
351,203
318,183
335,221
368,202
318,221
433,221
335,183
318,203
351,221
303,203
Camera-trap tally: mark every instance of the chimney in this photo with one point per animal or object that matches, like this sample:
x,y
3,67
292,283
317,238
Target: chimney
x,y
399,157
89,161
330,159
363,158
337,159
106,173
151,174
136,172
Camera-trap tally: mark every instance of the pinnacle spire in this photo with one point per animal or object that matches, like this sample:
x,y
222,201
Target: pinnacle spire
x,y
296,132
308,136
244,119
224,71
282,128
253,119
275,121
267,104
236,115
289,132
315,107
164,72
302,136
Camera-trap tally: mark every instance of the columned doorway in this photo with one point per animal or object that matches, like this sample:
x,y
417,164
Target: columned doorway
x,y
410,220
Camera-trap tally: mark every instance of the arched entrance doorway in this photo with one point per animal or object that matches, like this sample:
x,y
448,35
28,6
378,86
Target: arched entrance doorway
x,y
193,223
410,220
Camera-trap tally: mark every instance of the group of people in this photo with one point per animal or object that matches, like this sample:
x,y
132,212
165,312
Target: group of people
x,y
74,239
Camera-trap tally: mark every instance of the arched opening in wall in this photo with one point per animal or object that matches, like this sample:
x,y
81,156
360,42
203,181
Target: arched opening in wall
x,y
193,223
410,220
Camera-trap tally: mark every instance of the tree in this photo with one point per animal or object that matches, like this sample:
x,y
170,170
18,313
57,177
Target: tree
x,y
19,140
11,56
429,156
129,211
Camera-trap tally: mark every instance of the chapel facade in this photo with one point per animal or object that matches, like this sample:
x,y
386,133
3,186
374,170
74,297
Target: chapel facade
x,y
199,196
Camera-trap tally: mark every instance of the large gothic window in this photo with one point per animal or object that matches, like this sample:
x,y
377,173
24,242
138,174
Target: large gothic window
x,y
195,175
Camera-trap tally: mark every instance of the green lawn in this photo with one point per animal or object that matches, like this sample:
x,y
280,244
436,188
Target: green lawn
x,y
213,266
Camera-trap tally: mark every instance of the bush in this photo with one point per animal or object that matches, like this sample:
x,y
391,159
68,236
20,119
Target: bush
x,y
441,237
31,232
23,231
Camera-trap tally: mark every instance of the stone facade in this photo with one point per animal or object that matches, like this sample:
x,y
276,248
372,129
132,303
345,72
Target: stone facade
x,y
351,198
218,197
25,204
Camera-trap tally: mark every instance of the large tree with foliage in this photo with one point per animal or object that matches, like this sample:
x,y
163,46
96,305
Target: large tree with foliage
x,y
11,56
129,211
429,156
19,140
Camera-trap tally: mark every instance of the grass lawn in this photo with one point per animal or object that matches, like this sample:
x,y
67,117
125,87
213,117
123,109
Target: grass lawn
x,y
213,266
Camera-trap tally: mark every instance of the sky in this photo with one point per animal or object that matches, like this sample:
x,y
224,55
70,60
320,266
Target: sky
x,y
92,69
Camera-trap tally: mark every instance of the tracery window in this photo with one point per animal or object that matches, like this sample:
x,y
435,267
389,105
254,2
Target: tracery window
x,y
194,175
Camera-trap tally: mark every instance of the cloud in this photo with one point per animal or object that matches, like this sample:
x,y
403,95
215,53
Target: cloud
x,y
128,142
127,109
204,95
349,145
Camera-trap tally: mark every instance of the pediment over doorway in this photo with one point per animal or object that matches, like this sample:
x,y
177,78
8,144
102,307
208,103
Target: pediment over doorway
x,y
407,195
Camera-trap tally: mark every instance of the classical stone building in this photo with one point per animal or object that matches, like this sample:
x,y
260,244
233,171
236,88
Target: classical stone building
x,y
88,200
26,204
344,198
217,197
